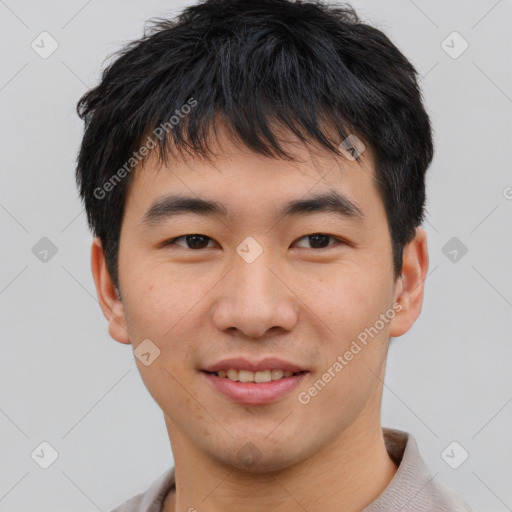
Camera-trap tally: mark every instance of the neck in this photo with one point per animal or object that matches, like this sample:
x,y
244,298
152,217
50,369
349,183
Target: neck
x,y
347,475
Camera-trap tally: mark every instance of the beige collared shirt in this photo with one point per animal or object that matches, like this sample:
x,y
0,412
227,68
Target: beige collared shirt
x,y
412,489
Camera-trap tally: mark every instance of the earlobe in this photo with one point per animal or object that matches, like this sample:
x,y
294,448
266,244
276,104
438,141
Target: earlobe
x,y
108,297
410,285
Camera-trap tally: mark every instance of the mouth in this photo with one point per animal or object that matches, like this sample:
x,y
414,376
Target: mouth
x,y
254,388
258,377
246,381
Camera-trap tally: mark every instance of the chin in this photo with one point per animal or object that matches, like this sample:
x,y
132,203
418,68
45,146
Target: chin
x,y
255,461
262,467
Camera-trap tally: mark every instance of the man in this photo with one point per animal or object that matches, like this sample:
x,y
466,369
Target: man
x,y
253,173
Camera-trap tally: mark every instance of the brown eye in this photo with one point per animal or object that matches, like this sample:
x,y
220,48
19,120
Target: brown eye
x,y
191,241
319,240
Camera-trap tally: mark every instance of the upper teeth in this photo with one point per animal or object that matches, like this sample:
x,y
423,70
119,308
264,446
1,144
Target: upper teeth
x,y
248,376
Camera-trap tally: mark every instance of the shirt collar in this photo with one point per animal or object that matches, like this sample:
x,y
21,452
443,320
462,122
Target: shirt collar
x,y
411,482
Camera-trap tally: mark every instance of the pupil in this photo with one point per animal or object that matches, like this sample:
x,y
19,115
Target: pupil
x,y
312,239
195,241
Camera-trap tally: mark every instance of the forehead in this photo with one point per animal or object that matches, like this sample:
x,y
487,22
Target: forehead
x,y
237,178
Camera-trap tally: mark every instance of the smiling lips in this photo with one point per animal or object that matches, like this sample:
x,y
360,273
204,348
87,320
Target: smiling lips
x,y
248,376
243,370
254,383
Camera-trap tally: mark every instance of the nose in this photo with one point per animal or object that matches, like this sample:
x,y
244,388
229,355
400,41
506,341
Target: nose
x,y
254,298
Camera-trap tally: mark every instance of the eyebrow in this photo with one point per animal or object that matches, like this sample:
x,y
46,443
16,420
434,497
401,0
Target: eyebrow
x,y
326,202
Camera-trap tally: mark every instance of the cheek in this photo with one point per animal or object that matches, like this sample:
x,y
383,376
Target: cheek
x,y
160,301
354,302
160,309
349,299
167,311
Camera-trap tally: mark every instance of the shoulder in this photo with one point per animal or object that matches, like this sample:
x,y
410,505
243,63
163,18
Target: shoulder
x,y
446,499
150,500
413,489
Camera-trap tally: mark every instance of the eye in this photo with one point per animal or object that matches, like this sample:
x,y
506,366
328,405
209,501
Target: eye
x,y
320,240
191,241
198,241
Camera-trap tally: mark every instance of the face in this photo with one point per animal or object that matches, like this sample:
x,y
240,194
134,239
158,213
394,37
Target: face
x,y
259,280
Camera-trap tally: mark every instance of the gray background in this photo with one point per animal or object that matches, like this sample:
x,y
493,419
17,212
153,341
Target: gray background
x,y
63,380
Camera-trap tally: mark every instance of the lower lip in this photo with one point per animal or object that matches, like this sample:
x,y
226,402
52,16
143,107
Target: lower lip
x,y
255,393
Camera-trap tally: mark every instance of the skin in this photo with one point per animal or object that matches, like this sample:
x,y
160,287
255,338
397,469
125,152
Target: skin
x,y
297,302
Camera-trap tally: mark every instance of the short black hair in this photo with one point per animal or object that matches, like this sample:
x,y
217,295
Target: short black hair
x,y
311,68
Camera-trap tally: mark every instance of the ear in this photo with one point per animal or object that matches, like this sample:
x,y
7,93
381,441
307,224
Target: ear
x,y
410,284
110,303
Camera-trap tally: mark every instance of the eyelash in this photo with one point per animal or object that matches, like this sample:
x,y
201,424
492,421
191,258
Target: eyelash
x,y
339,241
